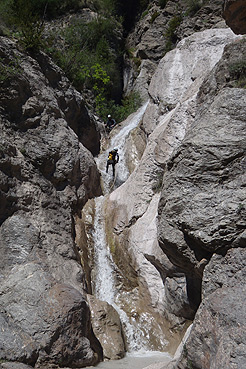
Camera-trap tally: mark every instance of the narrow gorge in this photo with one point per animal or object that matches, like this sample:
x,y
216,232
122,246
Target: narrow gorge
x,y
145,269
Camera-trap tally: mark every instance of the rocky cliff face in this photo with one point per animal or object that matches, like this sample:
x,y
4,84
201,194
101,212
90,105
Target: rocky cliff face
x,y
202,216
132,208
47,175
158,31
176,227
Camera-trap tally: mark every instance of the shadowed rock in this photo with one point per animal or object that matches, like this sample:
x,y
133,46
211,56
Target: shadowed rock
x,y
234,12
47,175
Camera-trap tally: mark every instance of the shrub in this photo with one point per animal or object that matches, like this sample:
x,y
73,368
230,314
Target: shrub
x,y
162,3
170,33
238,73
193,6
8,70
154,16
24,16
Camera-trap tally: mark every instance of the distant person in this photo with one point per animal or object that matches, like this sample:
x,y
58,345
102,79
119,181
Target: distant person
x,y
113,158
110,124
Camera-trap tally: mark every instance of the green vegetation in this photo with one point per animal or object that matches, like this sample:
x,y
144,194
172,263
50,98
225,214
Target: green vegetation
x,y
8,70
162,3
189,362
238,73
90,53
26,17
193,6
154,16
91,58
241,207
170,33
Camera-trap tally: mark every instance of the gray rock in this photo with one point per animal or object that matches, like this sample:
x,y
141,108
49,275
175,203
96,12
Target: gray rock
x,y
202,218
217,338
158,31
107,328
134,229
14,366
205,210
43,320
47,175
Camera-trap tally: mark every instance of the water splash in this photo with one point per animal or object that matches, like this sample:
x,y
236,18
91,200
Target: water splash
x,y
104,281
104,274
118,141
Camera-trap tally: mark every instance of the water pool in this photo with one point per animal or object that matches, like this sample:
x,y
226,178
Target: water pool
x,y
135,361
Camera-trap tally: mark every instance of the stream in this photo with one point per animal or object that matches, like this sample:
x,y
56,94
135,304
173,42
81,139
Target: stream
x,y
138,354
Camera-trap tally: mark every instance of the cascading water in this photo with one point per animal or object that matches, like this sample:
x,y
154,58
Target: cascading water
x,y
118,141
104,286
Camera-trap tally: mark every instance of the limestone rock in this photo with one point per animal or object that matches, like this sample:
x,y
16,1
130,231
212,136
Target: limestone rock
x,y
47,175
14,366
205,220
107,328
132,208
217,338
234,12
43,321
158,31
202,217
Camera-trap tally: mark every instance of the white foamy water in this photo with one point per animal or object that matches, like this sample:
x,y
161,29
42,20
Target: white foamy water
x,y
104,280
104,276
118,141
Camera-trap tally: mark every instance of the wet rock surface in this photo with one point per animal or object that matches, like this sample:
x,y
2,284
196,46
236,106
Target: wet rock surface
x,y
158,31
107,328
132,208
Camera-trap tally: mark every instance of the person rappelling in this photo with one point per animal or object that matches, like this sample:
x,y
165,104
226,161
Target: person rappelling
x,y
113,159
110,124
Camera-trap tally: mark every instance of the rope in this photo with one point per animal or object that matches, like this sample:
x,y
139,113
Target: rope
x,y
113,181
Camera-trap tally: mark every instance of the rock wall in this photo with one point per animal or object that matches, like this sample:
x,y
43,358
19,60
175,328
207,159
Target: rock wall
x,y
47,175
202,215
132,208
158,31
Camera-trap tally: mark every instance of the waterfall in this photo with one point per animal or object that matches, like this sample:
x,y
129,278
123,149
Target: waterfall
x,y
118,141
104,286
104,283
104,274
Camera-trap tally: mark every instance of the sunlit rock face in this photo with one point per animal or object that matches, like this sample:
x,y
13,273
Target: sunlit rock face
x,y
47,175
159,29
234,12
131,210
107,328
202,215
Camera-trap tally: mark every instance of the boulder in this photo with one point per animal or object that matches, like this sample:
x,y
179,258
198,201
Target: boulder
x,y
107,328
234,13
43,321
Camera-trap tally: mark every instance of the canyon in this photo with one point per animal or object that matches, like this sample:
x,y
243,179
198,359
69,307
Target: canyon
x,y
93,267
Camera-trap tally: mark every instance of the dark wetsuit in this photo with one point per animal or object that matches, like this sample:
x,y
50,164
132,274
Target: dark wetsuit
x,y
113,158
110,124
